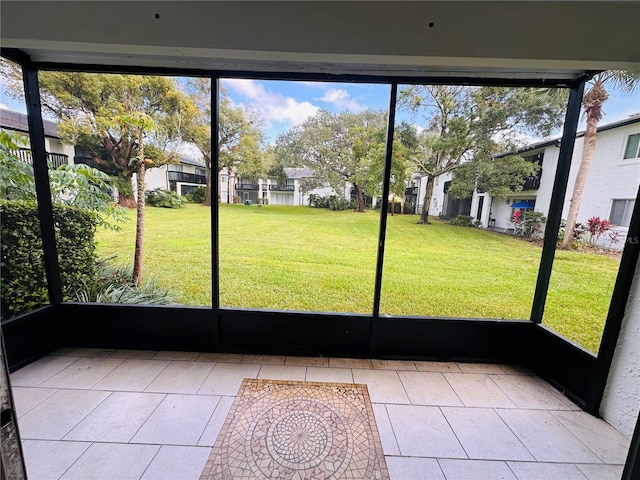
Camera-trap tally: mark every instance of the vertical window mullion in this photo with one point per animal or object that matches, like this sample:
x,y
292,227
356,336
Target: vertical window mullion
x,y
557,199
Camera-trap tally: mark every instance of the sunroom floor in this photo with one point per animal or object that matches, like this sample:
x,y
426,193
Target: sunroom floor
x,y
127,414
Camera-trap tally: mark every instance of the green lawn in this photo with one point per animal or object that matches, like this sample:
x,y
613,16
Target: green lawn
x,y
299,258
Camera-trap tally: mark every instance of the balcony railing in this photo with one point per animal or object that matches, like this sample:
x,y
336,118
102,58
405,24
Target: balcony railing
x,y
90,162
56,159
187,178
247,186
282,188
533,182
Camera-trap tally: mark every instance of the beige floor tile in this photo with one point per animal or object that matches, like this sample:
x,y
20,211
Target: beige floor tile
x,y
437,367
282,372
307,361
546,438
326,374
423,432
220,357
475,470
55,416
484,435
25,398
175,462
547,471
393,365
210,434
84,373
428,388
385,430
414,468
362,363
134,354
225,378
133,375
516,370
48,459
184,356
116,419
111,461
530,392
384,385
178,420
606,442
478,390
264,359
181,377
480,368
601,472
91,352
37,372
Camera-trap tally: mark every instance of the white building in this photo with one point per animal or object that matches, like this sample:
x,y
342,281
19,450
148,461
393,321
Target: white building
x,y
182,178
610,189
291,192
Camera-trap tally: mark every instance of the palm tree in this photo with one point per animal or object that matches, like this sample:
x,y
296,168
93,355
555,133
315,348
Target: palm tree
x,y
592,101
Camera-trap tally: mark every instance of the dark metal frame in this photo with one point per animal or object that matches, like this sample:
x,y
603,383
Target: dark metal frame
x,y
578,373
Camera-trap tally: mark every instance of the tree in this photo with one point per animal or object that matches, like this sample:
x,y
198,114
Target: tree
x,y
239,135
592,102
463,124
339,148
87,106
141,125
497,176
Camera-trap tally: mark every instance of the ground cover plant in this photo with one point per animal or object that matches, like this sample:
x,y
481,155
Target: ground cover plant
x,y
301,258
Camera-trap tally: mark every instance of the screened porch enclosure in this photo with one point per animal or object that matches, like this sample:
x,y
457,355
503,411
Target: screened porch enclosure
x,y
376,331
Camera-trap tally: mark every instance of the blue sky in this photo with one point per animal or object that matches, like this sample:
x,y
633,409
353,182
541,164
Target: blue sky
x,y
283,104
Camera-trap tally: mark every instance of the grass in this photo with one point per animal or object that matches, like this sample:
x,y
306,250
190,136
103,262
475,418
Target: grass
x,y
299,258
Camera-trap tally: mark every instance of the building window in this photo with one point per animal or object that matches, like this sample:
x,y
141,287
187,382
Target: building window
x,y
621,212
633,146
176,168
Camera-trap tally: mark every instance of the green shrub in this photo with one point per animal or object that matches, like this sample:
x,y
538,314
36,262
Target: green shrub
x,y
331,202
22,275
113,284
462,221
161,197
532,222
197,195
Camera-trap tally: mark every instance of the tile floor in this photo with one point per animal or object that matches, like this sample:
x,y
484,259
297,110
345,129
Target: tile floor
x,y
117,415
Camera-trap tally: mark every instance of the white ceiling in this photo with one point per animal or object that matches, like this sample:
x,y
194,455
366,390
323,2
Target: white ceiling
x,y
512,39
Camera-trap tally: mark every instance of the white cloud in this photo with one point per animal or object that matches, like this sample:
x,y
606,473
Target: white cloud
x,y
339,98
273,107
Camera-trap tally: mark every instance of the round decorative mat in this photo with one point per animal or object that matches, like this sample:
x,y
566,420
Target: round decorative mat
x,y
298,430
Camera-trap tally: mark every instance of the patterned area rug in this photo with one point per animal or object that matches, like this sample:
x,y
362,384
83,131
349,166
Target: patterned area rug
x,y
298,430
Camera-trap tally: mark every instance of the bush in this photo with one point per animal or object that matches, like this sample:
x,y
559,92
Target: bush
x,y
532,222
197,195
23,277
462,221
331,202
161,197
114,284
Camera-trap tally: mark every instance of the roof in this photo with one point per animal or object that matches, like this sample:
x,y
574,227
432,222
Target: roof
x,y
191,161
302,172
630,120
19,122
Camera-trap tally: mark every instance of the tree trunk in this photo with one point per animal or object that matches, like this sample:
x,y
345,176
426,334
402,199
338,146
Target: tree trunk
x,y
229,198
592,103
139,248
424,215
393,205
359,199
